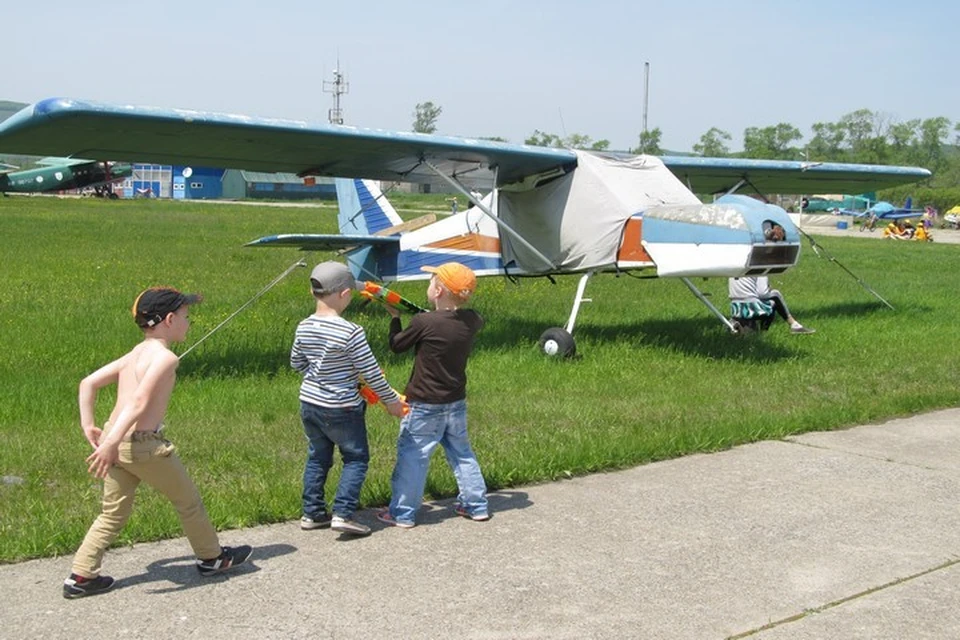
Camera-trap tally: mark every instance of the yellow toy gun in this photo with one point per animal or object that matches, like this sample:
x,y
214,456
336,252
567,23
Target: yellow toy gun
x,y
379,293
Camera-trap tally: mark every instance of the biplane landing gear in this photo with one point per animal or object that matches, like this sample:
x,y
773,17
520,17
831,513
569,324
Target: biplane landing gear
x,y
558,342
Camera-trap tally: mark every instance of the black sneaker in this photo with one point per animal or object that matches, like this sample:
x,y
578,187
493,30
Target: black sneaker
x,y
229,557
78,587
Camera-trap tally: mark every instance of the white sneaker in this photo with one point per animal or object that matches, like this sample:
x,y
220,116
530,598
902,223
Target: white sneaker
x,y
346,525
320,522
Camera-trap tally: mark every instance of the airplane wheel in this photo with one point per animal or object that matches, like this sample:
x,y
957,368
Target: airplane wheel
x,y
557,342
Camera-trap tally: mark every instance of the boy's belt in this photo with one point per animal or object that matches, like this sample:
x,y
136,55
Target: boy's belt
x,y
141,436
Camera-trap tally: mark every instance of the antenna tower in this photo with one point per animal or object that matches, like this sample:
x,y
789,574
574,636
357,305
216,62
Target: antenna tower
x,y
646,97
338,86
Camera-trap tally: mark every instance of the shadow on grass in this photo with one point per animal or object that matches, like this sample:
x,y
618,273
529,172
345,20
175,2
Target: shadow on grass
x,y
182,570
702,335
853,309
236,362
696,336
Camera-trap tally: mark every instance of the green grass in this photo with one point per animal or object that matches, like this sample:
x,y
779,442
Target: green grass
x,y
658,376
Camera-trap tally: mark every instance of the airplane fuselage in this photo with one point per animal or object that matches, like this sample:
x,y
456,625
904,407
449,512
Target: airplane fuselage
x,y
61,177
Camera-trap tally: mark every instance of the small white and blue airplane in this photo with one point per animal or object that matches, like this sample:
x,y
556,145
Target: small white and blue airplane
x,y
547,211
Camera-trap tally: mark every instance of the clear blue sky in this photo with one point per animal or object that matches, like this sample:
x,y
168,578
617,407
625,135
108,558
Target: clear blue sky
x,y
500,67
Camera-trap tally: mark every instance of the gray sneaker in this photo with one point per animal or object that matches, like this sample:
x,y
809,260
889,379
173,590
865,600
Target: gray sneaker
x,y
802,330
346,525
319,522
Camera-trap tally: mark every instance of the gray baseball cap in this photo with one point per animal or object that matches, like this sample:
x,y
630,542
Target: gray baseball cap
x,y
332,277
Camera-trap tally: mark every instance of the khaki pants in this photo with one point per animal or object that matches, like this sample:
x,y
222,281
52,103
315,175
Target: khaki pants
x,y
146,457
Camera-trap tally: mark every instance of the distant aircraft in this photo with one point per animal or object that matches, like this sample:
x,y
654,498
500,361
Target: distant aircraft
x,y
883,210
834,202
58,174
549,211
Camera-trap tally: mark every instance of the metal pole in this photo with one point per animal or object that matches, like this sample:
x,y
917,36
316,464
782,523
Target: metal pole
x,y
646,98
702,298
500,223
817,249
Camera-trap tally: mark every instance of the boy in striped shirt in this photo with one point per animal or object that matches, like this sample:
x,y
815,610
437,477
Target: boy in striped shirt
x,y
333,355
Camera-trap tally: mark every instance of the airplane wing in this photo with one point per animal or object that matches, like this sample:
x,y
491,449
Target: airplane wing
x,y
61,162
718,175
323,242
78,128
177,136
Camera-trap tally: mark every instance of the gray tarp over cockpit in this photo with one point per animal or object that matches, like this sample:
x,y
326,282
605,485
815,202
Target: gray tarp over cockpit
x,y
577,220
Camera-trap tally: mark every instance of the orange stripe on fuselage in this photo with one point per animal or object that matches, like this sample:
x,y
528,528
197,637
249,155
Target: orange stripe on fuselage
x,y
630,248
468,242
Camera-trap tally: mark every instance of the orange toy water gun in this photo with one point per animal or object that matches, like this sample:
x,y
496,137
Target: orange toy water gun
x,y
379,293
371,397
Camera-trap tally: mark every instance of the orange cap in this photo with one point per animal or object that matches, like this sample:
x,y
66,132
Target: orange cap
x,y
457,278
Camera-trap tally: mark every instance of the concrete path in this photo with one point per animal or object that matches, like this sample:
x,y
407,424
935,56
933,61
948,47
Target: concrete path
x,y
849,534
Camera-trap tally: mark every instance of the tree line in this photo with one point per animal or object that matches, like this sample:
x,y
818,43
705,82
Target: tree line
x,y
862,136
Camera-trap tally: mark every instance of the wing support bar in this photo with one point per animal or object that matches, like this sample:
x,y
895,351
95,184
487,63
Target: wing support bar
x,y
487,212
702,298
734,189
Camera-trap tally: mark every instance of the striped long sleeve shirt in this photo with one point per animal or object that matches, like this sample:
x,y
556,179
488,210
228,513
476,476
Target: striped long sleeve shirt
x,y
333,355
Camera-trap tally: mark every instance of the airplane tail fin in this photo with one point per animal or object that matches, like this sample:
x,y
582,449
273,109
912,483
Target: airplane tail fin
x,y
908,203
365,211
363,208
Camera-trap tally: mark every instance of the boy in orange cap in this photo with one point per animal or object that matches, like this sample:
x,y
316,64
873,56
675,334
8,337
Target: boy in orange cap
x,y
442,340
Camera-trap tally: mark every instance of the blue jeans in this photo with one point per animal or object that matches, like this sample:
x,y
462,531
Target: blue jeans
x,y
421,430
347,429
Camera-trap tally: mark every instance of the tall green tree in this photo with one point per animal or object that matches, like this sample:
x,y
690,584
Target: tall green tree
x,y
826,145
580,141
771,143
713,144
649,142
865,135
573,141
933,135
541,139
425,117
903,137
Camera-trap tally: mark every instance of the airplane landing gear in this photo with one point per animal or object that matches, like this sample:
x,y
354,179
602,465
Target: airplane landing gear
x,y
558,342
105,191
